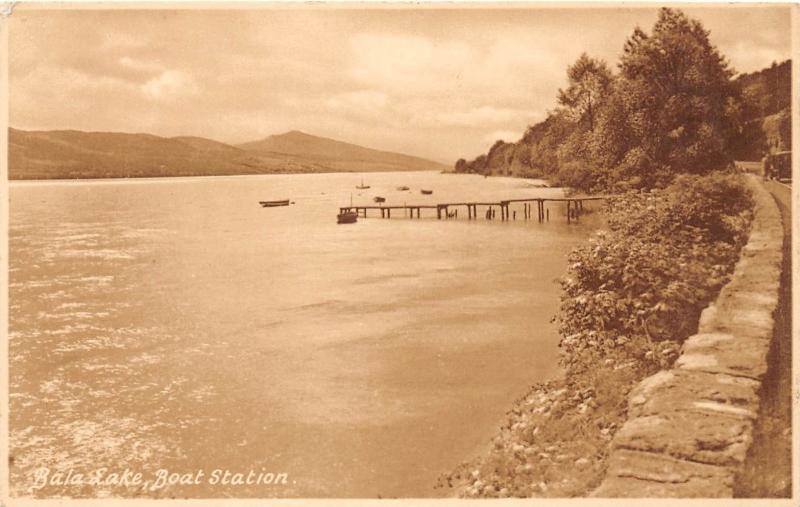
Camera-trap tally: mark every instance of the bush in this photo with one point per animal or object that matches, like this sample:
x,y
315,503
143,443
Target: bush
x,y
635,292
631,297
665,122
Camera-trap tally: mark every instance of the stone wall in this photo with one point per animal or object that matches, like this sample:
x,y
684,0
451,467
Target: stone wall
x,y
689,428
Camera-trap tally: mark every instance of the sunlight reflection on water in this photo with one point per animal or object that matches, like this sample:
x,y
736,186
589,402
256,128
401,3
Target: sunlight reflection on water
x,y
176,324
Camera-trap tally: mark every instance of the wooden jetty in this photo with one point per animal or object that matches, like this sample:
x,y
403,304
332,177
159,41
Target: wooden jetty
x,y
574,208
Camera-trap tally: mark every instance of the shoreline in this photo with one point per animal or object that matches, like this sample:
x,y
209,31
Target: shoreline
x,y
452,482
556,439
193,177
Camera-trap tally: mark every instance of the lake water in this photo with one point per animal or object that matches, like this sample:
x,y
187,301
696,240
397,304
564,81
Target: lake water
x,y
175,324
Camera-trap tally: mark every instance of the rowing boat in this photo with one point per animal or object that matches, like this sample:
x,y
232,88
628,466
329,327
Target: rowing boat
x,y
273,204
347,217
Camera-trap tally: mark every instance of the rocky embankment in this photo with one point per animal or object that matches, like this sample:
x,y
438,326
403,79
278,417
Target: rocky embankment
x,y
689,428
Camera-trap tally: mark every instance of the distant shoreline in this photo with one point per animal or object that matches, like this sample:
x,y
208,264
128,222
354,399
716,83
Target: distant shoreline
x,y
204,176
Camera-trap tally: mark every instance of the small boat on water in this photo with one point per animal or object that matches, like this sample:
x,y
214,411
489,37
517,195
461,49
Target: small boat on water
x,y
403,188
426,192
347,217
273,204
378,198
362,186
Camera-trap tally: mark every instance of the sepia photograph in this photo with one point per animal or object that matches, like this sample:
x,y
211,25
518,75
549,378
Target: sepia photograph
x,y
288,251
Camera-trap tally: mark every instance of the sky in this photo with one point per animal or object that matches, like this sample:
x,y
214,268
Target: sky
x,y
437,82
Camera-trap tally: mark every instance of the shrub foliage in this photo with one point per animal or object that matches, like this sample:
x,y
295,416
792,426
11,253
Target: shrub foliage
x,y
634,293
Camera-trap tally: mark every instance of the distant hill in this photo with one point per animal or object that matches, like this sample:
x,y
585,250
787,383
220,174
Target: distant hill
x,y
338,154
210,146
69,154
767,115
769,90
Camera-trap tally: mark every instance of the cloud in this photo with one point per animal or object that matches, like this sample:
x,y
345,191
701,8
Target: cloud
x,y
506,66
481,116
123,40
509,136
359,102
407,64
170,84
749,59
65,82
140,65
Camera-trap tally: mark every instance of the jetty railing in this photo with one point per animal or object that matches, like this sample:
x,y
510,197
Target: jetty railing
x,y
443,210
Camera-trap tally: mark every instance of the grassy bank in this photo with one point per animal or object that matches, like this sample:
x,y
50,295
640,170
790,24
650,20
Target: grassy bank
x,y
631,296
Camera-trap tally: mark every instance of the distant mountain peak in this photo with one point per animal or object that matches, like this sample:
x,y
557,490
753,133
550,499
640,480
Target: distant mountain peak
x,y
340,154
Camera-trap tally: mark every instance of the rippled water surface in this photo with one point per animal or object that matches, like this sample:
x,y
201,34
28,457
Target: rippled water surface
x,y
175,324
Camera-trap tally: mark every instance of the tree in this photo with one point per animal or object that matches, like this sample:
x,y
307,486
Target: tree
x,y
678,96
588,82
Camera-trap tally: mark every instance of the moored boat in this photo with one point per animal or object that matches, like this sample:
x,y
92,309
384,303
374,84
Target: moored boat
x,y
378,198
403,188
362,186
347,217
426,192
272,204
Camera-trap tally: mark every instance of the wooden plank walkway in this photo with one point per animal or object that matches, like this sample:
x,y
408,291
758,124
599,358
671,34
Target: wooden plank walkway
x,y
574,208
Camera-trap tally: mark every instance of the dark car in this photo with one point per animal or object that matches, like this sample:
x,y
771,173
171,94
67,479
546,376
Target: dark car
x,y
778,165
